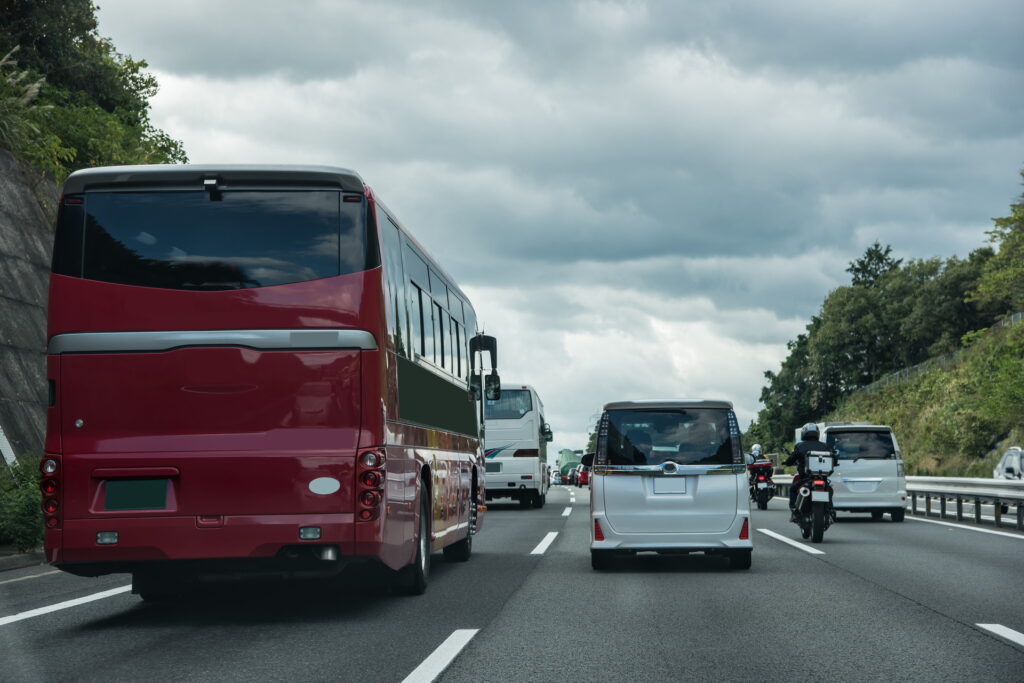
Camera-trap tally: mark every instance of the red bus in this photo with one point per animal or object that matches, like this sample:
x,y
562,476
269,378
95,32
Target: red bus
x,y
254,370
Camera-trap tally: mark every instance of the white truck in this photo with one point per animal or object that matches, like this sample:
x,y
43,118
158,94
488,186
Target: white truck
x,y
516,446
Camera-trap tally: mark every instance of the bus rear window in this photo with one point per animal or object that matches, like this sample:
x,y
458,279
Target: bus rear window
x,y
192,240
513,404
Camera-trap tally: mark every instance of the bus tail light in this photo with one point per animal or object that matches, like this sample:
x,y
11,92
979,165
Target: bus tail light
x,y
370,480
50,485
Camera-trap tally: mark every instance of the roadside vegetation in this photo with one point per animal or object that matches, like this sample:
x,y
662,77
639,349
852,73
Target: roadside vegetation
x,y
21,520
68,98
894,315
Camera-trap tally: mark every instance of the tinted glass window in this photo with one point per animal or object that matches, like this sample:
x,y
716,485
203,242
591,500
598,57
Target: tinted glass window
x,y
861,445
513,404
687,437
186,240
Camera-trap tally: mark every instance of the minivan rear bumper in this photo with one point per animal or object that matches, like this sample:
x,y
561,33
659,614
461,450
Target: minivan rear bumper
x,y
845,500
653,542
74,547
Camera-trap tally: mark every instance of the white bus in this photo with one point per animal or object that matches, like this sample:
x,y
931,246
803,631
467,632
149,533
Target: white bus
x,y
516,446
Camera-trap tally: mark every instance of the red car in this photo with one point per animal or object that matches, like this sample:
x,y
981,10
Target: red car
x,y
583,476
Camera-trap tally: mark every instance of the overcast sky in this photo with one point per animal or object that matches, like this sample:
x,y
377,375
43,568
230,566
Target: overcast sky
x,y
642,199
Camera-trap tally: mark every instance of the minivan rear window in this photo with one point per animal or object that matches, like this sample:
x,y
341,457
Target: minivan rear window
x,y
210,241
687,437
861,444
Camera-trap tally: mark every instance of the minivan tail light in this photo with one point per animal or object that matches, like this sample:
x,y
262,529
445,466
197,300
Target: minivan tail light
x,y
598,534
745,531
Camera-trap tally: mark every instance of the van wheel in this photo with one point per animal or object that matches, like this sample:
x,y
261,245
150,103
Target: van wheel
x,y
525,501
876,515
898,514
412,579
600,560
740,559
539,499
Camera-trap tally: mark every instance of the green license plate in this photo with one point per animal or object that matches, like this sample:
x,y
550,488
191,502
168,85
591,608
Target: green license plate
x,y
136,494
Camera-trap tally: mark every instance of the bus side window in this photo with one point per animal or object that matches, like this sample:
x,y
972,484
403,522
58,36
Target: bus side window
x,y
395,284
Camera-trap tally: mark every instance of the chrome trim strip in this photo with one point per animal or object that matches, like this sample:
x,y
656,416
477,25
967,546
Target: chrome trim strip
x,y
869,479
668,468
138,342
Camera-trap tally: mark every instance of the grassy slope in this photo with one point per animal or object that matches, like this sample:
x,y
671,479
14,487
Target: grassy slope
x,y
954,421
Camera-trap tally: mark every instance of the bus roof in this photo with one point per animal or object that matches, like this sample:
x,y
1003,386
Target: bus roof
x,y
658,404
179,175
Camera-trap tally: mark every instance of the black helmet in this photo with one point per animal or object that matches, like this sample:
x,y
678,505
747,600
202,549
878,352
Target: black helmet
x,y
809,432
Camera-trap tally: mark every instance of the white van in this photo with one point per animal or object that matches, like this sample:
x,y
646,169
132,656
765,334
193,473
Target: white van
x,y
669,477
869,476
516,446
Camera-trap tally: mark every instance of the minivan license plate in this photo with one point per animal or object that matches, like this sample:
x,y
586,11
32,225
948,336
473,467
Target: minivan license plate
x,y
670,484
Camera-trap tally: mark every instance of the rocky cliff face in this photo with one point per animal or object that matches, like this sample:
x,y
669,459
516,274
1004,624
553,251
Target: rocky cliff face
x,y
26,236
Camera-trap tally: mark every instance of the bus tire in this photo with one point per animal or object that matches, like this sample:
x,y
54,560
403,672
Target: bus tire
x,y
412,579
155,587
461,550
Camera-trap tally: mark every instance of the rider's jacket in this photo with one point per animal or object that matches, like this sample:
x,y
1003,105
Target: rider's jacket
x,y
800,451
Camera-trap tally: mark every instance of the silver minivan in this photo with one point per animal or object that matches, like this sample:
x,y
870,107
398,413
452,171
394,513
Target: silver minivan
x,y
669,477
869,476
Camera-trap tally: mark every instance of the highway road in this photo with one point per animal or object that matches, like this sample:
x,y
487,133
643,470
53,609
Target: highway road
x,y
879,601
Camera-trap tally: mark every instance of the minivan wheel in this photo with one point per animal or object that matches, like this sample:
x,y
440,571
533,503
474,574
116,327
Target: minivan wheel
x,y
525,501
739,559
876,515
898,514
600,559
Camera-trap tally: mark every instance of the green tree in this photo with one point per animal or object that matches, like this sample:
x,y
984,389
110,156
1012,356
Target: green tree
x,y
875,262
1002,281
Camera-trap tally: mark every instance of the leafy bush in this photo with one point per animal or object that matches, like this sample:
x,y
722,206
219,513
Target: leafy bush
x,y
21,520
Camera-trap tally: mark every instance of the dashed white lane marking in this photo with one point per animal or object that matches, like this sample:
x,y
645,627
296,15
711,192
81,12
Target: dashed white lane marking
x,y
566,512
62,605
1009,634
543,545
30,576
434,665
969,528
801,546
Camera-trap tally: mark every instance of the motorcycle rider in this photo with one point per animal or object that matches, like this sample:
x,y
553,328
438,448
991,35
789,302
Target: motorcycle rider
x,y
809,436
759,458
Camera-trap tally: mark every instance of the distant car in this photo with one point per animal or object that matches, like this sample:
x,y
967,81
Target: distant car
x,y
583,478
572,477
1011,465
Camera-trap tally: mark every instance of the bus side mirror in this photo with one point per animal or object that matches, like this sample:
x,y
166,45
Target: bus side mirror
x,y
587,460
492,386
475,390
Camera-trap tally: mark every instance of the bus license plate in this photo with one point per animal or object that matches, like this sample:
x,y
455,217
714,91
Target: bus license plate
x,y
135,494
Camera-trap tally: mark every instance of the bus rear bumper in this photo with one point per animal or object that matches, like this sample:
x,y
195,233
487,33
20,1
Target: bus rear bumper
x,y
230,539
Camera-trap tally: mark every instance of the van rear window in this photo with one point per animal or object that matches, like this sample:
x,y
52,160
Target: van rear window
x,y
860,444
688,437
195,240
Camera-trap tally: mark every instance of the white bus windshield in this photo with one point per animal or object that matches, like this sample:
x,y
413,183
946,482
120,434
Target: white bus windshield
x,y
513,404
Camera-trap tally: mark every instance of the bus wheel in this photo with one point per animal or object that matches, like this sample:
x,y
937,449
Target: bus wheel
x,y
155,587
461,550
412,579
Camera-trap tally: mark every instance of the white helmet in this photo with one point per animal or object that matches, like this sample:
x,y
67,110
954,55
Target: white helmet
x,y
756,450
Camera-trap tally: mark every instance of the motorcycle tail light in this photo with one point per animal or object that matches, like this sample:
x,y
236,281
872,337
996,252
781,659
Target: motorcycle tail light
x,y
819,482
761,478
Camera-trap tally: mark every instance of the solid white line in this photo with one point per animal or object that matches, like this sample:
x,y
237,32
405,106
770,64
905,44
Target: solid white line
x,y
62,605
1008,633
543,545
801,546
969,528
30,576
566,512
434,665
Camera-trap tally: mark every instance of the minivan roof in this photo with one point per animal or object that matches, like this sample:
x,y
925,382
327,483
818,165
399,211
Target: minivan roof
x,y
189,175
659,404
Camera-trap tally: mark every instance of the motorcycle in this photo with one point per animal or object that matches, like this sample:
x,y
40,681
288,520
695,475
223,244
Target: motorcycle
x,y
762,489
814,509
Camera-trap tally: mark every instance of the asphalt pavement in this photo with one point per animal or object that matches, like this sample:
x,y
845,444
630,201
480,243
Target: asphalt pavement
x,y
881,601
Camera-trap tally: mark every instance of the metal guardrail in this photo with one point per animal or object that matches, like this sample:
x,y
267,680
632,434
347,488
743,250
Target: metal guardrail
x,y
998,492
